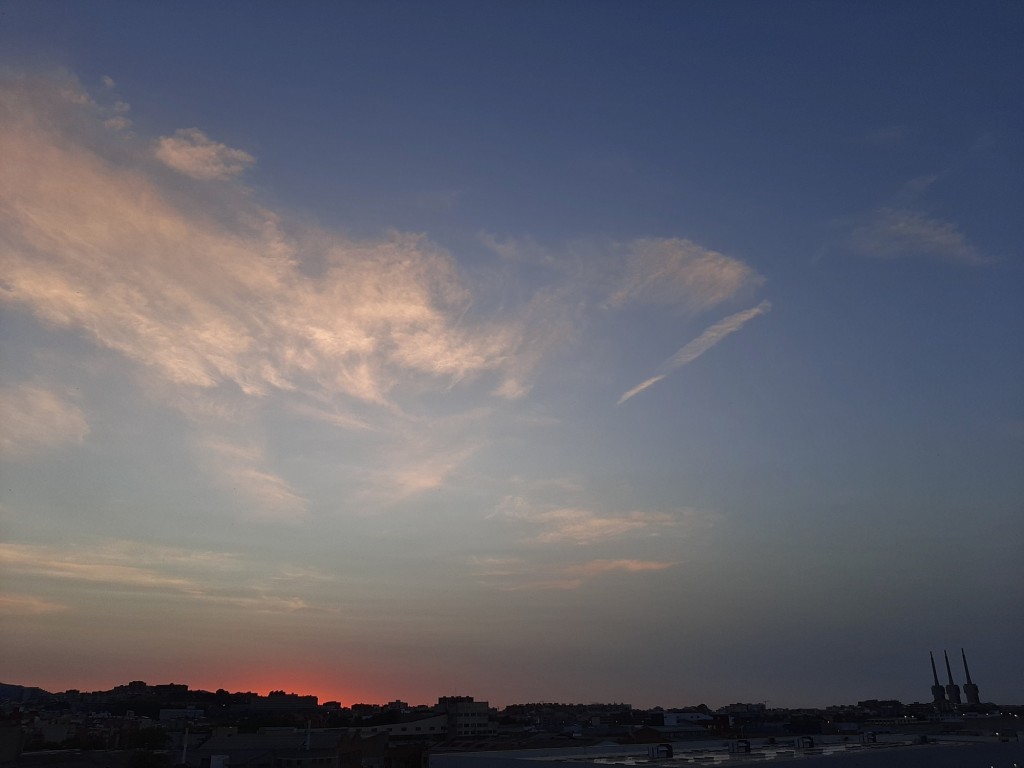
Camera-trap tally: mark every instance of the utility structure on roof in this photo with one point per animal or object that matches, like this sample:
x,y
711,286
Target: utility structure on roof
x,y
952,689
970,689
938,694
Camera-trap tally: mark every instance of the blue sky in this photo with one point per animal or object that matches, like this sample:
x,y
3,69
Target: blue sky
x,y
656,352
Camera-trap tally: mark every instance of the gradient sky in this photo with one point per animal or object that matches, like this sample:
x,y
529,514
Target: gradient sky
x,y
659,352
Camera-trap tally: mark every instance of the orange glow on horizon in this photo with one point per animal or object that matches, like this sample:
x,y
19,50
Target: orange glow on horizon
x,y
261,682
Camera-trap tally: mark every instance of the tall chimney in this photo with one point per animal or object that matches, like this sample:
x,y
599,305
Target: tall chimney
x,y
970,689
952,690
938,694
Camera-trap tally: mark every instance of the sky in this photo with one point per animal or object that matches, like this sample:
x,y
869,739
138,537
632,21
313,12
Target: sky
x,y
658,352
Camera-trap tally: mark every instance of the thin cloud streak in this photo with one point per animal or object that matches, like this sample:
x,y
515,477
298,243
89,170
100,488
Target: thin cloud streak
x,y
47,563
895,233
709,338
573,525
28,605
35,419
574,576
167,572
641,387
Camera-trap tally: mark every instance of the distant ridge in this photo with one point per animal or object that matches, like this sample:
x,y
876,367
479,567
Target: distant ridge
x,y
10,692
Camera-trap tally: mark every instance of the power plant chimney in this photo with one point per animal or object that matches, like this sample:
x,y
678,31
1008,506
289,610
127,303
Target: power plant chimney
x,y
938,694
952,690
970,689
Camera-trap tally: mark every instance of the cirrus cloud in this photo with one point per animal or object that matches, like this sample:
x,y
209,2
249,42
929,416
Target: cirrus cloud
x,y
99,566
206,295
568,525
227,309
893,233
36,418
208,292
680,273
512,575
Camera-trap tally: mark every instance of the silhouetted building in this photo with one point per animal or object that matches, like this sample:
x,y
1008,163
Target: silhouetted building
x,y
270,748
466,717
970,689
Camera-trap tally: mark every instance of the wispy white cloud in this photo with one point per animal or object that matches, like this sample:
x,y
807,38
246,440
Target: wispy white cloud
x,y
225,308
672,273
331,415
35,418
211,293
682,274
221,578
581,526
709,338
668,272
192,152
15,605
596,567
414,471
118,123
894,233
118,119
417,457
207,291
99,567
519,249
550,322
242,468
512,576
